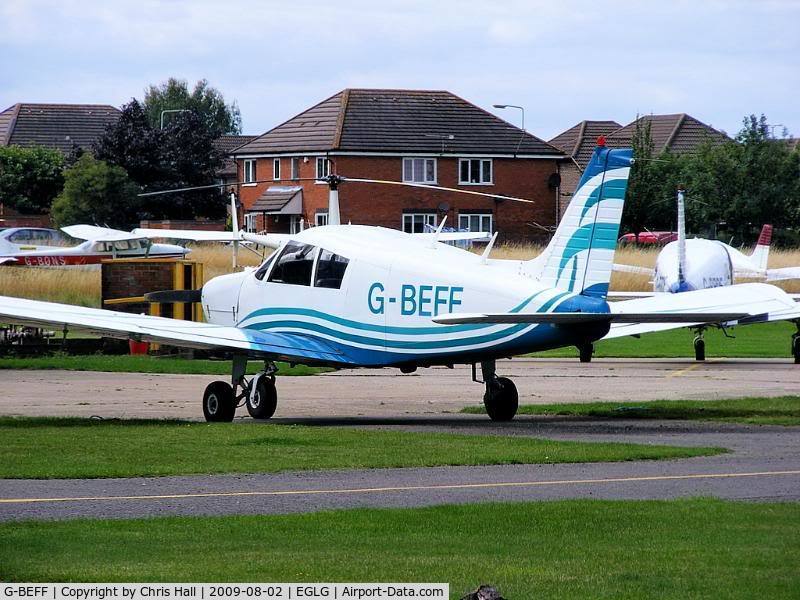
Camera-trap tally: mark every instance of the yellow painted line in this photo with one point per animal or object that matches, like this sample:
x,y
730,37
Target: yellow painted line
x,y
680,372
408,488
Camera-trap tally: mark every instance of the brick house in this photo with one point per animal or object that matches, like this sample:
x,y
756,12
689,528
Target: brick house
x,y
424,137
676,133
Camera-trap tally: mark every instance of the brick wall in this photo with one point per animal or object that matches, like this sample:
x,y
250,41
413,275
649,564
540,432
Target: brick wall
x,y
570,176
126,279
383,205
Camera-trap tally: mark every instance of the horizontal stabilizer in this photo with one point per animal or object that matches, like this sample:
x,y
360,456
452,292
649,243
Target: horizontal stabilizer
x,y
633,269
585,317
783,273
456,236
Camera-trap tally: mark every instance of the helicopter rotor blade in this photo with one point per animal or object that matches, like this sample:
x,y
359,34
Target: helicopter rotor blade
x,y
436,187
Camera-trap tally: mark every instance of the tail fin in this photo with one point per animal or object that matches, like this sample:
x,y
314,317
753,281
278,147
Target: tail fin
x,y
760,254
581,253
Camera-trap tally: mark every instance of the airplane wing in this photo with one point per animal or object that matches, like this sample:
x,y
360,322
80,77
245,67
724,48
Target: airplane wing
x,y
456,236
633,269
188,234
760,301
109,323
612,295
783,273
99,234
578,318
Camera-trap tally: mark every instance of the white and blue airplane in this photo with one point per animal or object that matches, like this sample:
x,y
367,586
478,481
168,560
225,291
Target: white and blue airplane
x,y
356,296
697,264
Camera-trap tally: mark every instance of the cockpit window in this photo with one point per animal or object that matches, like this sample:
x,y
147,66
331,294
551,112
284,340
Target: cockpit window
x,y
262,270
294,265
330,270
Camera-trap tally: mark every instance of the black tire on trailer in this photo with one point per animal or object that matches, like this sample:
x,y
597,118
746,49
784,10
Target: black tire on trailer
x,y
264,400
218,402
501,400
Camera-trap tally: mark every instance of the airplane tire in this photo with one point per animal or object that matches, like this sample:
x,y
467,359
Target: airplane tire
x,y
796,348
264,400
585,353
218,402
699,349
502,400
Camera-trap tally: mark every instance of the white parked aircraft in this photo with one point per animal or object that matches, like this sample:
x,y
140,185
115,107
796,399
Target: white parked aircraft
x,y
101,243
358,296
696,264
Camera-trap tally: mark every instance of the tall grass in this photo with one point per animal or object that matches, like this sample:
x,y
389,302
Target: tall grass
x,y
82,286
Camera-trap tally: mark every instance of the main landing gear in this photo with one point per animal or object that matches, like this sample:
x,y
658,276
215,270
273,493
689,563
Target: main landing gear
x,y
500,398
221,399
796,344
585,352
699,345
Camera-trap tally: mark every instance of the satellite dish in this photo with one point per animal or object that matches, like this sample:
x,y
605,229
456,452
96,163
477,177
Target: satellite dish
x,y
443,207
554,181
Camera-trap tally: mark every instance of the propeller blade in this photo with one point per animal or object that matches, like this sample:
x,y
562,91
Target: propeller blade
x,y
170,296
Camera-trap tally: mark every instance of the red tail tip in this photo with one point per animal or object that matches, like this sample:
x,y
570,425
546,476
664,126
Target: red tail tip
x,y
601,141
766,236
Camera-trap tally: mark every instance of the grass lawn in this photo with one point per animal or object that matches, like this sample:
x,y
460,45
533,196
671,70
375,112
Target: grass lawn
x,y
783,410
698,548
64,448
767,340
143,364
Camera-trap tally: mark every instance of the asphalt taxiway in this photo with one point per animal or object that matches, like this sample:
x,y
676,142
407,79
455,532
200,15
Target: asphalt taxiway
x,y
763,462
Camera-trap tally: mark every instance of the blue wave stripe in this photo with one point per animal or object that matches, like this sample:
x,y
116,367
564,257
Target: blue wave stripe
x,y
438,329
399,344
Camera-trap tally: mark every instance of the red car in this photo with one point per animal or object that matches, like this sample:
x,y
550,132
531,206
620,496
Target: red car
x,y
658,238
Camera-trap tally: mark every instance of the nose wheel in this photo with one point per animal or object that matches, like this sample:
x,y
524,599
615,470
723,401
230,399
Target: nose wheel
x,y
699,346
501,398
221,399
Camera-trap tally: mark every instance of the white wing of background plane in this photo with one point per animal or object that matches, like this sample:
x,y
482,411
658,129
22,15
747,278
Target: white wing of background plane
x,y
188,234
456,236
175,332
99,234
783,273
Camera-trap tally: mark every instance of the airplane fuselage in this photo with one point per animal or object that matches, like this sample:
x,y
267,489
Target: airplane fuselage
x,y
393,285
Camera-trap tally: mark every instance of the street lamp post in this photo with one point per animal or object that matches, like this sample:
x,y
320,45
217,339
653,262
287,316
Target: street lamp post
x,y
172,110
522,110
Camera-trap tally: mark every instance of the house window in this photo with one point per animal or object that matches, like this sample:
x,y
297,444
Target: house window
x,y
475,222
295,168
276,169
419,170
474,171
323,167
320,219
250,222
296,224
250,170
415,222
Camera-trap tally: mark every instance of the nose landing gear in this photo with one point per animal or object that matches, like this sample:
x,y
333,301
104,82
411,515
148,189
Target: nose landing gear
x,y
699,345
501,398
796,344
221,399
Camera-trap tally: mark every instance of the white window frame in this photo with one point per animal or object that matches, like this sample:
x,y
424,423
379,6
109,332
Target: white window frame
x,y
249,171
482,179
431,219
482,217
296,224
276,169
413,161
322,173
250,220
295,168
321,219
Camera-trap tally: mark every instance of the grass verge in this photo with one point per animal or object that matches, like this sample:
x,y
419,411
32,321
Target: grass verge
x,y
81,448
143,364
764,340
698,548
783,410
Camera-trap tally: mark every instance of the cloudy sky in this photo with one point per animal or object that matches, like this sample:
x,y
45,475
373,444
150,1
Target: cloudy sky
x,y
564,61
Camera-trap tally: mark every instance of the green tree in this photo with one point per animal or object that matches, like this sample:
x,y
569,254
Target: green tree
x,y
30,178
181,155
207,101
96,192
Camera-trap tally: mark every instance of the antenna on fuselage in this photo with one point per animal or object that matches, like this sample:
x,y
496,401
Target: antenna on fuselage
x,y
488,249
